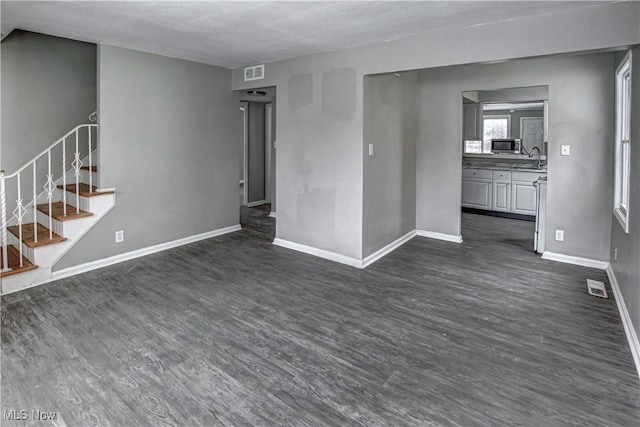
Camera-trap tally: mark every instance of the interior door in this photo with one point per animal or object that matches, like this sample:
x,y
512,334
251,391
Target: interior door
x,y
532,132
255,173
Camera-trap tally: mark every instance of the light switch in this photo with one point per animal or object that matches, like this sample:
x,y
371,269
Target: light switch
x,y
560,235
565,150
371,149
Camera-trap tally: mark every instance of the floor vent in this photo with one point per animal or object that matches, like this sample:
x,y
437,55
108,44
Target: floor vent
x,y
596,288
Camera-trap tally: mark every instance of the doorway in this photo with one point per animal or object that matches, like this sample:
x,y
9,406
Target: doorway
x,y
258,160
504,163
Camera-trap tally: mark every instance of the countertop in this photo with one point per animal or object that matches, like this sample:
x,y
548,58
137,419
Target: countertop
x,y
505,167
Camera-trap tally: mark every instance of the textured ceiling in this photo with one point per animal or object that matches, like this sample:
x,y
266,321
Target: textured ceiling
x,y
238,33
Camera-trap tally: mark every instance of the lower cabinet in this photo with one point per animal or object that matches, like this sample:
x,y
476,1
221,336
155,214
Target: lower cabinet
x,y
476,193
523,197
502,191
501,196
476,188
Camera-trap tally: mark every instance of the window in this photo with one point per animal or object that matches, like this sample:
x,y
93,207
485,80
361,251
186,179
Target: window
x,y
623,142
495,127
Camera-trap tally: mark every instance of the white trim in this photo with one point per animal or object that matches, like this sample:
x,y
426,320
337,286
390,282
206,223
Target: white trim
x,y
82,268
629,330
273,214
388,249
331,256
575,260
439,236
256,203
268,117
622,142
244,107
623,217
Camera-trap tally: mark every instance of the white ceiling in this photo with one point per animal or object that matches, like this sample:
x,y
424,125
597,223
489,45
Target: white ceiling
x,y
236,33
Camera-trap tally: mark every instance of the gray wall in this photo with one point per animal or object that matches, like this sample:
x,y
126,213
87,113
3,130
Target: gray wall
x,y
168,144
580,114
48,88
320,104
627,266
391,125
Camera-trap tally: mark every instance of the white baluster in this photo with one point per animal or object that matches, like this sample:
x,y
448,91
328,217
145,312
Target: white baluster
x,y
77,165
3,216
64,177
90,163
49,187
35,205
19,212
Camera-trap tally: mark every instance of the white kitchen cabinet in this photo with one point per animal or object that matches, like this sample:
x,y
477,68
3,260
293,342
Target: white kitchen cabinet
x,y
501,196
476,188
476,193
471,128
523,197
501,191
524,193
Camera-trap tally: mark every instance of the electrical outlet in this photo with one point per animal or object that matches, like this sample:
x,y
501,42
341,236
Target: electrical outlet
x,y
615,254
565,150
560,235
120,236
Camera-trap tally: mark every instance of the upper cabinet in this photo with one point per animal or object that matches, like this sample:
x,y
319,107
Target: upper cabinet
x,y
472,117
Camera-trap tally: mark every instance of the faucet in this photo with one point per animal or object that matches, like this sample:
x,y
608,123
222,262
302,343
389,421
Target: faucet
x,y
539,164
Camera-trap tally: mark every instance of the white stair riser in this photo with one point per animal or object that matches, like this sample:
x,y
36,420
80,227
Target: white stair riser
x,y
95,204
43,255
69,229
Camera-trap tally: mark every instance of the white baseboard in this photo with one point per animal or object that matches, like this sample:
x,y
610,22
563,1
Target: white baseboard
x,y
82,268
439,236
388,249
629,330
273,214
568,259
256,203
343,259
332,256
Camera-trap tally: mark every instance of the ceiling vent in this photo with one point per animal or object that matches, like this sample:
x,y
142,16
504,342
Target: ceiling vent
x,y
254,73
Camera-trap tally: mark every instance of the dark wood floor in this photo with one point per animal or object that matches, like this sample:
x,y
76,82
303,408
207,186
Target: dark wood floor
x,y
237,331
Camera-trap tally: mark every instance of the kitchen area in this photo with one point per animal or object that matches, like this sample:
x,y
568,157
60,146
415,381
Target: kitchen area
x,y
504,155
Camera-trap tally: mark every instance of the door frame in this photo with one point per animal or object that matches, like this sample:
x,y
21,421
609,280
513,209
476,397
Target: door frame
x,y
244,107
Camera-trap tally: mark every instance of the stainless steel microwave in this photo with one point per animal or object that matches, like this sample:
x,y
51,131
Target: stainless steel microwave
x,y
505,145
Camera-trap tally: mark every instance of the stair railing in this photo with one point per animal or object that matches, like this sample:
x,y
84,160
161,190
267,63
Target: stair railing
x,y
49,187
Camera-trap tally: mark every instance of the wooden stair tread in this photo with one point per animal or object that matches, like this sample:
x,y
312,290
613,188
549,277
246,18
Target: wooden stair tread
x,y
84,190
93,168
13,256
57,209
28,235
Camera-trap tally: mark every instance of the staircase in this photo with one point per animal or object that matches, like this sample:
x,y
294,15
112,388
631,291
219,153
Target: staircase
x,y
57,211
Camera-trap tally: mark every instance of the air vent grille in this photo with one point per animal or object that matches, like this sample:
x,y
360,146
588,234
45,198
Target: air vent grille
x,y
597,288
254,73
